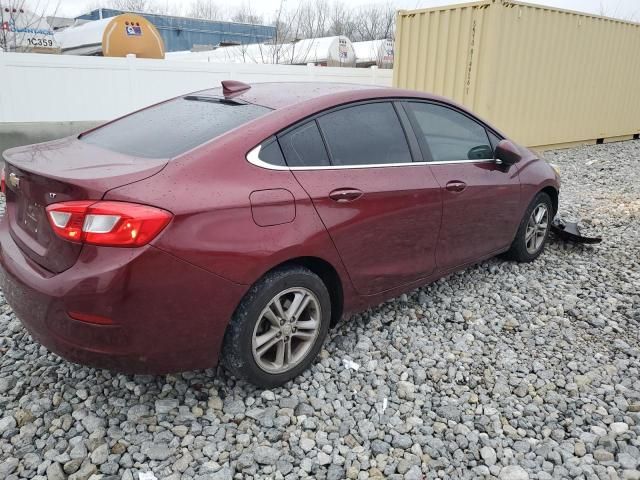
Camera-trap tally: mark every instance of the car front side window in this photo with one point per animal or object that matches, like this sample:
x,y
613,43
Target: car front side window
x,y
449,135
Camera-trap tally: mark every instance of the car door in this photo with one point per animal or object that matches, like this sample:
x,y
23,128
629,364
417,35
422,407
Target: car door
x,y
381,209
480,197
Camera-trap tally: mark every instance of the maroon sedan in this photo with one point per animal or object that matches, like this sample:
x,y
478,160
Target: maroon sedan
x,y
241,223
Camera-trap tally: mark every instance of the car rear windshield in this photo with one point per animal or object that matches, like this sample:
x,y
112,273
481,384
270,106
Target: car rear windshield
x,y
174,127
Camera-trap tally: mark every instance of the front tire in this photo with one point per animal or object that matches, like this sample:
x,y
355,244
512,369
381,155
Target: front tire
x,y
533,231
278,328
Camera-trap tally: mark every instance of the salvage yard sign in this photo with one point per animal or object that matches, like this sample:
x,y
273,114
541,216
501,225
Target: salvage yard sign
x,y
25,31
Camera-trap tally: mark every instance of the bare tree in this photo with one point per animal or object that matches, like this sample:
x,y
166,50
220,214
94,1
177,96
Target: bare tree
x,y
313,17
130,5
341,20
167,7
244,14
163,7
615,13
205,9
289,29
374,22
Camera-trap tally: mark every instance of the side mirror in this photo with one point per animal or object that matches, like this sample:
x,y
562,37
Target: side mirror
x,y
507,153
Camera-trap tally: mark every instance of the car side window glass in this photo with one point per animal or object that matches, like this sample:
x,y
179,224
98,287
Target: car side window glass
x,y
303,147
450,135
365,134
270,153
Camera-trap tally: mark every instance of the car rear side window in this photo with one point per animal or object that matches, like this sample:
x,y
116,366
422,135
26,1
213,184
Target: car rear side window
x,y
449,134
368,134
303,147
174,127
270,153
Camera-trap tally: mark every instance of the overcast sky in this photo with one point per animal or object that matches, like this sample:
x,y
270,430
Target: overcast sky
x,y
629,9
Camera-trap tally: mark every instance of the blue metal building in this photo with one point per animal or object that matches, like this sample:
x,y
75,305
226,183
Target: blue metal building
x,y
180,33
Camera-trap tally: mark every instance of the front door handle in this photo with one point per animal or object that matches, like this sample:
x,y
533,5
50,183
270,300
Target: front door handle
x,y
342,195
456,186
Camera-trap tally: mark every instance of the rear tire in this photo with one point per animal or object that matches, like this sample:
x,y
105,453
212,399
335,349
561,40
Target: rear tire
x,y
533,231
279,327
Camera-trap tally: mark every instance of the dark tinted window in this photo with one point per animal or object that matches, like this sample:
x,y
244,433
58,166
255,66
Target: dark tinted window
x,y
450,135
365,134
303,147
270,153
172,128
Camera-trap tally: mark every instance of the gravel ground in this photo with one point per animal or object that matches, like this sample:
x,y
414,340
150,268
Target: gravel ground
x,y
504,371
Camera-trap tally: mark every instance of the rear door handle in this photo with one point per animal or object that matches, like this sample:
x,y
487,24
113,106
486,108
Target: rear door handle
x,y
342,195
456,186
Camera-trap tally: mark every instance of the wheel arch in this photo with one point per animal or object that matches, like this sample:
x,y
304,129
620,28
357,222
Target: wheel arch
x,y
554,195
329,275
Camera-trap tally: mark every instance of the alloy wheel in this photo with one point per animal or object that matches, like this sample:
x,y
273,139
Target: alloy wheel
x,y
537,228
286,330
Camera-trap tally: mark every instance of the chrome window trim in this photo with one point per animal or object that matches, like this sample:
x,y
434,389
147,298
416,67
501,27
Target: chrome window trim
x,y
253,157
446,162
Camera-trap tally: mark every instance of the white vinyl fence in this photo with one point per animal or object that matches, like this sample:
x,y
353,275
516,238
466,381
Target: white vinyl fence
x,y
64,88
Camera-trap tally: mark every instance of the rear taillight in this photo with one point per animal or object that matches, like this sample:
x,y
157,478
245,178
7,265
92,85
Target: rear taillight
x,y
114,224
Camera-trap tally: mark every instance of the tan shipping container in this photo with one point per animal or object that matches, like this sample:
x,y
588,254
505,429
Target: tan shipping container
x,y
544,76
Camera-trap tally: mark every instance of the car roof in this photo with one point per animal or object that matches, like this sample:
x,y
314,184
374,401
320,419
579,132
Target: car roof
x,y
294,101
278,95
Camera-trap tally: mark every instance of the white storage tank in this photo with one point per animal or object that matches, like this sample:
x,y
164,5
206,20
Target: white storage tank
x,y
374,52
325,51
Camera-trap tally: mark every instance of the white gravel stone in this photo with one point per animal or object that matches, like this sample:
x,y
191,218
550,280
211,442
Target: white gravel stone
x,y
513,472
268,395
7,423
54,472
266,455
323,458
100,454
8,466
618,428
307,444
489,456
602,455
165,405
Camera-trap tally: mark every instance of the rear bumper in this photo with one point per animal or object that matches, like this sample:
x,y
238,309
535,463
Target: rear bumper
x,y
168,315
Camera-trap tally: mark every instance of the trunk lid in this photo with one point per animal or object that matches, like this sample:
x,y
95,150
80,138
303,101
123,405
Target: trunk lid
x,y
59,171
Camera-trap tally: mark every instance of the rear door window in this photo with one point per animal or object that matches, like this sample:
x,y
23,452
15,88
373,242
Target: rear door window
x,y
368,134
174,127
450,135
